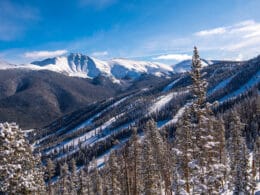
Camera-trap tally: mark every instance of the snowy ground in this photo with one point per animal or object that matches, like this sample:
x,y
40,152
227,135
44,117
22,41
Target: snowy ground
x,y
253,81
170,86
221,85
177,115
161,102
164,100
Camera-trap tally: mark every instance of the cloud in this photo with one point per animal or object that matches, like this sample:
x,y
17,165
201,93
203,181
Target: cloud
x,y
99,53
44,54
99,4
15,19
244,29
231,40
177,57
214,31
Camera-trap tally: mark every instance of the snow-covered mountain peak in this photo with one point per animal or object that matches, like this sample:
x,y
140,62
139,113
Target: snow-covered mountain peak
x,y
6,65
76,64
185,65
80,65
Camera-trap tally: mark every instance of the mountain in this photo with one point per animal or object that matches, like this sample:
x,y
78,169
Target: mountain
x,y
7,65
34,98
88,67
95,128
185,65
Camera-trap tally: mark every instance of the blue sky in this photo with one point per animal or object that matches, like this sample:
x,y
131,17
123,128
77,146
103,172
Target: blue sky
x,y
164,30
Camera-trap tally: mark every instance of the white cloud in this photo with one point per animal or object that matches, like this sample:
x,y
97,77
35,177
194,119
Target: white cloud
x,y
239,38
214,31
244,29
177,57
44,54
99,53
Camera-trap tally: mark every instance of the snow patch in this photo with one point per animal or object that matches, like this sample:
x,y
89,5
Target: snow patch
x,y
253,81
161,102
170,86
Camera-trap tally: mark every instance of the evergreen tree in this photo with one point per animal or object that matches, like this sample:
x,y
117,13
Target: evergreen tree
x,y
20,170
135,160
150,172
49,173
113,183
255,164
73,178
183,148
84,182
64,179
198,145
96,178
239,157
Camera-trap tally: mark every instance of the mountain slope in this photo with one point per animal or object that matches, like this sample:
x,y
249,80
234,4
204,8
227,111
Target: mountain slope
x,y
97,128
6,65
185,65
34,98
87,67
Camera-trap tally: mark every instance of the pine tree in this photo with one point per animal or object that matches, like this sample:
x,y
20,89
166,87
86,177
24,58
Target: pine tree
x,y
150,172
73,178
84,182
200,124
20,170
96,178
255,164
257,156
240,180
64,179
183,148
135,160
49,173
198,145
222,167
113,175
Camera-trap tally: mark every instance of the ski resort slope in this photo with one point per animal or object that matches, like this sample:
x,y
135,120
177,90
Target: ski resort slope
x,y
253,81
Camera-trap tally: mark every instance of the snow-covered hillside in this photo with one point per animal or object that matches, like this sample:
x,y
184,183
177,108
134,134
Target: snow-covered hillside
x,y
185,65
80,65
6,65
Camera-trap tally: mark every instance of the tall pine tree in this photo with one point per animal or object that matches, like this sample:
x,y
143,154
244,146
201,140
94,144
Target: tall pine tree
x,y
20,170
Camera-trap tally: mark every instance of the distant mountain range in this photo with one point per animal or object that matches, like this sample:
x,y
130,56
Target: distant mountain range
x,y
185,65
36,94
79,65
97,126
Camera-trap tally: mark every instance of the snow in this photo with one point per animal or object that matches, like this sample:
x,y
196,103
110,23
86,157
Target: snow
x,y
221,85
78,65
162,123
161,102
86,123
185,65
97,137
88,136
125,67
169,86
102,158
253,81
6,65
177,115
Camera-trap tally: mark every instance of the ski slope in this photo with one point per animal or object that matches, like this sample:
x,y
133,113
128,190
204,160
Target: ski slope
x,y
253,81
170,86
